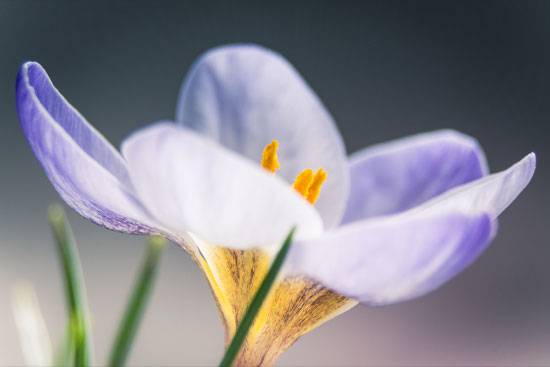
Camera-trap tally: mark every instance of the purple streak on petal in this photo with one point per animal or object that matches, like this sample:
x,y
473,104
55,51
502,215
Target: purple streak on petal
x,y
393,259
396,176
245,96
82,166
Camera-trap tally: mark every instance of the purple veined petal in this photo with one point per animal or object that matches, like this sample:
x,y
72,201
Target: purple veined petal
x,y
191,183
490,194
245,96
393,259
84,168
393,177
34,77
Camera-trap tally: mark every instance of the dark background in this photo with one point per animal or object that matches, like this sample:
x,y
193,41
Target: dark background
x,y
384,70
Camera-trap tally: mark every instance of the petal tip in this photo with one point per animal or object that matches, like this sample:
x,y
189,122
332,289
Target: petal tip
x,y
236,48
29,69
529,163
532,158
28,64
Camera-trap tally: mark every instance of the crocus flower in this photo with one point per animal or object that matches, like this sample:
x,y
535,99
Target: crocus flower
x,y
392,222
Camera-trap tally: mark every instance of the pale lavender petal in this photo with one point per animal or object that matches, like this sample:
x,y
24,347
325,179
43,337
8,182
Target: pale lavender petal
x,y
491,194
393,259
392,177
245,96
193,184
84,168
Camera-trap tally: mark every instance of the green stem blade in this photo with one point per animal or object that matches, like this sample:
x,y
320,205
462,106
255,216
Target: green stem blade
x,y
74,284
256,303
137,302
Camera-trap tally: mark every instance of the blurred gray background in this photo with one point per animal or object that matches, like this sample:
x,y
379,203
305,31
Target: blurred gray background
x,y
384,70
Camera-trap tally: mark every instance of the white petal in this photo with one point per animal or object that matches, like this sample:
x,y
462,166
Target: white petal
x,y
245,96
192,184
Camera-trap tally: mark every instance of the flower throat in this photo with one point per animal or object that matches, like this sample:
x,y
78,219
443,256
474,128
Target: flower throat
x,y
294,306
307,183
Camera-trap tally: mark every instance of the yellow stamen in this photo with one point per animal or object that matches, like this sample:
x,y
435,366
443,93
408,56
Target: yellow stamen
x,y
269,159
303,182
315,187
307,183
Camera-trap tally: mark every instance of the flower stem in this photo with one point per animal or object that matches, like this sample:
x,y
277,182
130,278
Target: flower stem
x,y
79,323
137,302
256,303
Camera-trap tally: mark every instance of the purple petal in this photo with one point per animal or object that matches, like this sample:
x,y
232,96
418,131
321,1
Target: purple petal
x,y
490,194
84,168
392,177
393,259
245,96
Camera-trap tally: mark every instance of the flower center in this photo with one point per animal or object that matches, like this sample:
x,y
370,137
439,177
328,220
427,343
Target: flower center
x,y
295,304
306,183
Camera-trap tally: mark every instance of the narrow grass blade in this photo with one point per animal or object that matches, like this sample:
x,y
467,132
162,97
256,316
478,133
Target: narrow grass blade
x,y
137,302
74,284
33,334
256,303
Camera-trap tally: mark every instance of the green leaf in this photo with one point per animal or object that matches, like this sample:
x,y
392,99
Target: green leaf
x,y
137,302
79,324
256,303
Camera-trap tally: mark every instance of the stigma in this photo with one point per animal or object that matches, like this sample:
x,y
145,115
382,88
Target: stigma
x,y
306,184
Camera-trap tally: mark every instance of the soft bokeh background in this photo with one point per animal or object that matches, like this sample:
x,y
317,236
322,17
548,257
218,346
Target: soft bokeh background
x,y
384,70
